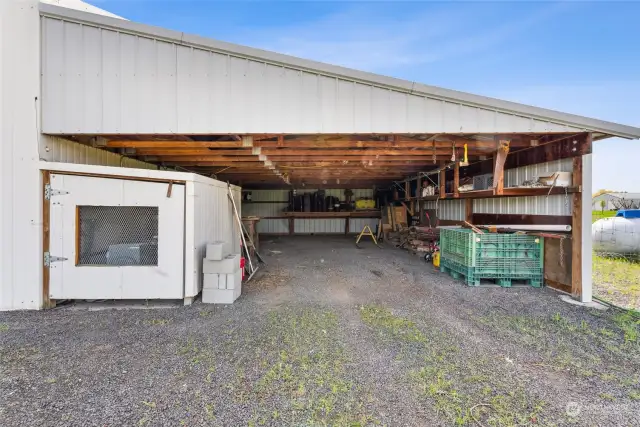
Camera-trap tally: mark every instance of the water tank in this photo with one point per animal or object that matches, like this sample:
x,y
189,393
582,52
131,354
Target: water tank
x,y
616,235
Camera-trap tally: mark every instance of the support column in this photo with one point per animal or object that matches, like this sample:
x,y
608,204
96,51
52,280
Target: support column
x,y
581,243
456,180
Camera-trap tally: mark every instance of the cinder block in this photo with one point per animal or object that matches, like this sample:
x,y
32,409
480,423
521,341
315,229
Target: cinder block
x,y
233,280
230,264
219,296
214,281
217,251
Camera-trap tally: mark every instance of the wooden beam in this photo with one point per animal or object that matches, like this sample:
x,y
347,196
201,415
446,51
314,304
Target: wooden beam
x,y
468,211
356,152
407,208
576,232
498,171
456,180
518,219
172,144
443,180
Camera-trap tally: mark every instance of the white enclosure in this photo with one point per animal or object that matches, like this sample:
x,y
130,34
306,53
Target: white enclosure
x,y
115,239
118,233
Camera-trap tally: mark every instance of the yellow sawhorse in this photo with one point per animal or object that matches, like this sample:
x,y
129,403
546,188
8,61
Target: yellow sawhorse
x,y
366,231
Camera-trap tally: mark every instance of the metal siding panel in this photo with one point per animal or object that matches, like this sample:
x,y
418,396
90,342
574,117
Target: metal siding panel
x,y
416,111
92,78
486,120
146,83
311,108
164,97
345,106
380,109
53,75
194,73
434,114
73,99
328,89
129,100
467,118
530,205
451,113
272,93
362,109
255,101
111,81
398,110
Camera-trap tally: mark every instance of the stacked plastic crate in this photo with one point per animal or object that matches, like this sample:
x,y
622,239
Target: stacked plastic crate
x,y
497,256
222,282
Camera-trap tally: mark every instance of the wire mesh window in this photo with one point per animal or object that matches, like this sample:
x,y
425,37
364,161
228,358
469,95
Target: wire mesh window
x,y
117,235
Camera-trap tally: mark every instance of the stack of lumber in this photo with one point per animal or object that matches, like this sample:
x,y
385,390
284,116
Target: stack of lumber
x,y
414,239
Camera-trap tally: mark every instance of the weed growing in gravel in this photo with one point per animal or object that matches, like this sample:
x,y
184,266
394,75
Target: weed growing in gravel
x,y
4,327
156,322
452,381
577,348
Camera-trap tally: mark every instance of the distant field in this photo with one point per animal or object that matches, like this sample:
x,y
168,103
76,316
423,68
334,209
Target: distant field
x,y
596,215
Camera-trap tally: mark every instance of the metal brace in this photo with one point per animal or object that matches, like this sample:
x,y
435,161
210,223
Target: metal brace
x,y
48,259
50,192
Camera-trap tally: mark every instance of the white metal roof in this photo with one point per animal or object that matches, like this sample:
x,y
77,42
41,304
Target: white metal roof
x,y
473,110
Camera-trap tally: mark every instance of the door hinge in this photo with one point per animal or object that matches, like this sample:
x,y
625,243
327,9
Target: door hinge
x,y
50,192
48,259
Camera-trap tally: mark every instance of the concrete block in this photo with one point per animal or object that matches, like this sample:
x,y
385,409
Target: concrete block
x,y
214,281
234,280
229,265
217,251
219,296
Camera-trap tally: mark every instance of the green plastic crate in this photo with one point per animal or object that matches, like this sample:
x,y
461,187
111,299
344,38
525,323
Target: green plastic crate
x,y
498,256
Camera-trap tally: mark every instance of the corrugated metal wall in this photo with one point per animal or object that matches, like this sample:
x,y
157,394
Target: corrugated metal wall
x,y
55,149
101,80
532,205
213,219
301,226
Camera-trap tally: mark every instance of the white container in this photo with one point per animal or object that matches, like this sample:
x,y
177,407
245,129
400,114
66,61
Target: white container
x,y
616,235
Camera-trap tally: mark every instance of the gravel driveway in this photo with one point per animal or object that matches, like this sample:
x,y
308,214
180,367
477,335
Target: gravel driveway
x,y
327,335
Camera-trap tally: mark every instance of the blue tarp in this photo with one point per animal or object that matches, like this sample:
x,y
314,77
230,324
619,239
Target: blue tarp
x,y
629,213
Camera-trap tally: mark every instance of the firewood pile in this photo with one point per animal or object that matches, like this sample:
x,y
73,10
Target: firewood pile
x,y
415,239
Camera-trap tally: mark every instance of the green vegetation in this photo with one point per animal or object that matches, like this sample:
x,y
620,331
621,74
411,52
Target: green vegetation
x,y
4,327
596,215
617,280
452,381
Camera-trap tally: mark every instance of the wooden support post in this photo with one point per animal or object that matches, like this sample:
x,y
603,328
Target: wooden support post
x,y
407,190
498,169
291,226
443,180
456,180
468,210
346,226
576,232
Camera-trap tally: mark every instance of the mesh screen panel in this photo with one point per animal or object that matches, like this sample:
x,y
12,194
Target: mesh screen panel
x,y
118,235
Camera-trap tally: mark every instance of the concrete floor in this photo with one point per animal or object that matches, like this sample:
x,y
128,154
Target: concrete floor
x,y
327,335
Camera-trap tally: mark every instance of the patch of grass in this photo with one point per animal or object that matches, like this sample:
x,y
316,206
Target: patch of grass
x,y
617,280
606,396
398,327
628,324
596,215
4,327
634,395
50,380
452,381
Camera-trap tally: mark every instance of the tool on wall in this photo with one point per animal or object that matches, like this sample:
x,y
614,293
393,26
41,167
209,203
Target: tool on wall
x,y
465,158
243,232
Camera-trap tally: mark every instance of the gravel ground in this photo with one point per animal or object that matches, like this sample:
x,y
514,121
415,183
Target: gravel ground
x,y
327,335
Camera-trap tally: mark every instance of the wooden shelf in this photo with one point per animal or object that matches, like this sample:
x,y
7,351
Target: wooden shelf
x,y
507,192
328,215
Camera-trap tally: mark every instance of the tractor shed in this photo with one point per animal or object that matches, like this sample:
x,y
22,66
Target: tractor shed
x,y
95,89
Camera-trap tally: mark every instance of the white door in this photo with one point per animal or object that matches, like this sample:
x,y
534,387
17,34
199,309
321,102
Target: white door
x,y
115,239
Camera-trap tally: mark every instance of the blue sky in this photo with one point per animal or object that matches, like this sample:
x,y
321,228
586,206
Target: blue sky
x,y
577,57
